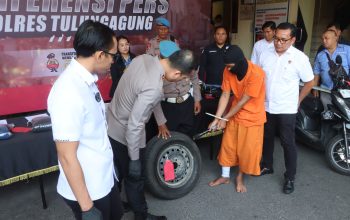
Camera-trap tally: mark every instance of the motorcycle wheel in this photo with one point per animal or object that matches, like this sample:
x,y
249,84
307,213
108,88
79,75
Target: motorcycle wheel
x,y
335,154
184,154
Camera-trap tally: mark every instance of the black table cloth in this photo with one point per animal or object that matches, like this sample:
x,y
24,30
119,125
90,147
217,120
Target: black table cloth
x,y
26,155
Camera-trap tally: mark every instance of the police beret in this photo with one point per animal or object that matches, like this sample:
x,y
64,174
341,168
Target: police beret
x,y
163,21
167,47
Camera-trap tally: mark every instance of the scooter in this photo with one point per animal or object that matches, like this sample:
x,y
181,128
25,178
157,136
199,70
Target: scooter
x,y
328,130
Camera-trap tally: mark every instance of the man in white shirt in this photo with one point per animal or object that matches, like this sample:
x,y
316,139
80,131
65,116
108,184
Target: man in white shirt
x,y
87,177
269,29
284,66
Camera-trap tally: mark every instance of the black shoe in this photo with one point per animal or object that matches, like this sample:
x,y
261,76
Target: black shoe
x,y
154,217
288,186
265,170
126,207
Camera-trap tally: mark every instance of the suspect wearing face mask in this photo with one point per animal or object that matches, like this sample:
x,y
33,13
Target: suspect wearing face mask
x,y
240,69
235,58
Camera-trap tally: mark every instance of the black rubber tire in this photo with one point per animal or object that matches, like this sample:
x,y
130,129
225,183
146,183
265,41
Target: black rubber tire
x,y
185,155
335,152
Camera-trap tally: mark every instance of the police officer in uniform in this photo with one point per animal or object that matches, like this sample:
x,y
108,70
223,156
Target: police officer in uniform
x,y
139,91
211,72
178,100
211,62
177,96
163,33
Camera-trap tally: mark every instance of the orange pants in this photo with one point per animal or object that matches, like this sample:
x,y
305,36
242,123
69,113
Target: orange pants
x,y
242,146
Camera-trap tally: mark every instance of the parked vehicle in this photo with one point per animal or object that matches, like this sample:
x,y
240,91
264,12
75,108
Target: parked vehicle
x,y
329,130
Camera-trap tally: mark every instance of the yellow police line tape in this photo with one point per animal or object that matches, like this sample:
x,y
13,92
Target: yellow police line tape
x,y
28,175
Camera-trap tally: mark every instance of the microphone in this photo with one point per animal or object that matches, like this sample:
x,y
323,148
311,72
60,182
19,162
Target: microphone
x,y
338,60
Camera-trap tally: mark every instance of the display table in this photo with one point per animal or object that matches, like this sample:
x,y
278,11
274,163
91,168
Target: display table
x,y
27,155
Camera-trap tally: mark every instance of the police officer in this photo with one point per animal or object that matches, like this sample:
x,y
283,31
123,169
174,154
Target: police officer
x,y
177,96
163,33
211,62
211,72
178,100
139,90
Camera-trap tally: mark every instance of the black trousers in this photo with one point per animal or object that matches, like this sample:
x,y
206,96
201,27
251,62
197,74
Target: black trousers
x,y
285,124
110,206
180,116
134,188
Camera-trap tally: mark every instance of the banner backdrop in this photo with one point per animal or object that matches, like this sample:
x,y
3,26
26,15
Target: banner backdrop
x,y
36,39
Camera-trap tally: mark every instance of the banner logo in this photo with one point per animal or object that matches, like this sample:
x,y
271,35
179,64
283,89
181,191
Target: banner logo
x,y
52,64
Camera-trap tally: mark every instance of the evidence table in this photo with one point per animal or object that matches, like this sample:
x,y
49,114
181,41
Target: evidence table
x,y
27,155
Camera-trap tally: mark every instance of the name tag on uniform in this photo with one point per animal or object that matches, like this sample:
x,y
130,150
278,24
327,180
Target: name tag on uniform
x,y
212,51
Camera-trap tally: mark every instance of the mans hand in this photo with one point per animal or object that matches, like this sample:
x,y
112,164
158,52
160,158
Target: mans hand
x,y
135,169
197,107
316,93
163,131
92,214
221,125
213,124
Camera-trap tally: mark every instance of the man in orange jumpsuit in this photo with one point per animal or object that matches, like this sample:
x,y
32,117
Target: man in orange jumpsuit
x,y
244,122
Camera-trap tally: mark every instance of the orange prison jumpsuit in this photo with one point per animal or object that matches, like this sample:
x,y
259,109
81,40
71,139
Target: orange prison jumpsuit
x,y
243,137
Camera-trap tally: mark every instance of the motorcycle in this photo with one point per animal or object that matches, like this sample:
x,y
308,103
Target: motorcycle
x,y
328,130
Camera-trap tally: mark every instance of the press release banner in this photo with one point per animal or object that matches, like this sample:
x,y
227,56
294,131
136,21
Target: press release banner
x,y
36,38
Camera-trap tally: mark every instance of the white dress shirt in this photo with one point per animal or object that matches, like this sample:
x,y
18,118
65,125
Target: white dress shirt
x,y
77,115
259,47
283,74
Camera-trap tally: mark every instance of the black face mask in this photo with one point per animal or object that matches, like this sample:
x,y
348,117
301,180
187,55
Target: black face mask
x,y
240,69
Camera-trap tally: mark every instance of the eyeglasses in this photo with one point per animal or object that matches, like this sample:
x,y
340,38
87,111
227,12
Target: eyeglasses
x,y
281,40
114,55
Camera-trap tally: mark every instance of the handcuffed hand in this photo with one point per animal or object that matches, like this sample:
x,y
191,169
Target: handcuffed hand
x,y
221,125
92,214
213,124
135,169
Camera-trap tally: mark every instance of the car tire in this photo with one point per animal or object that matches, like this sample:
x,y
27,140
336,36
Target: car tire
x,y
184,154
